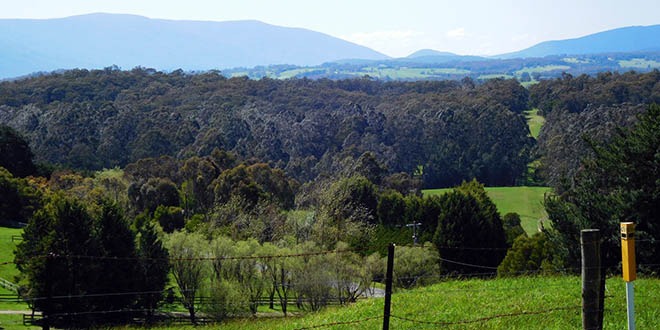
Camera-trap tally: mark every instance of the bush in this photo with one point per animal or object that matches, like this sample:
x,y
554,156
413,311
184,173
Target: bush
x,y
225,299
415,265
512,227
528,255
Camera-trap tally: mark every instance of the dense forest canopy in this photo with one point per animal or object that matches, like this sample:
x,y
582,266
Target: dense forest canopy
x,y
586,108
451,131
443,131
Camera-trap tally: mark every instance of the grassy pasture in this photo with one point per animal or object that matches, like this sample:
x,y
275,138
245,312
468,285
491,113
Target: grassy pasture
x,y
508,303
494,76
7,247
534,121
8,271
639,63
575,60
544,68
410,73
526,201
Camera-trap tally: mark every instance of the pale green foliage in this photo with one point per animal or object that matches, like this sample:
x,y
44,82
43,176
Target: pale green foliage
x,y
189,271
225,299
352,278
415,265
313,279
347,213
279,272
299,224
114,185
248,272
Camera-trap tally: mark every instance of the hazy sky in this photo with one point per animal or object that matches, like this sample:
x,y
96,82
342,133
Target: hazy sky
x,y
396,28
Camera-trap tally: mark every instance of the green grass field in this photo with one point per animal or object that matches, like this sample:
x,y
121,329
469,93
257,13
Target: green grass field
x,y
639,63
495,75
8,271
534,121
526,201
544,68
514,303
409,73
7,247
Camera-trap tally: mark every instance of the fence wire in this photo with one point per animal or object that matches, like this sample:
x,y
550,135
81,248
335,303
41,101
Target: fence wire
x,y
332,324
487,318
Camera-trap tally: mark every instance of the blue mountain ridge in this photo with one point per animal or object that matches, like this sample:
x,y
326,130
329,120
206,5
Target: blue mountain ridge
x,y
102,40
622,40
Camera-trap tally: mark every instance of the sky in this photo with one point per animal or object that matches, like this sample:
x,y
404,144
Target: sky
x,y
396,28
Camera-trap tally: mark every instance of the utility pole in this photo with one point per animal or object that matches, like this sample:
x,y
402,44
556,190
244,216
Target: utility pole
x,y
414,226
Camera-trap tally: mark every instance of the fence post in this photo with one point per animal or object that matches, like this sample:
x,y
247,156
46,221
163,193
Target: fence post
x,y
591,279
629,267
388,286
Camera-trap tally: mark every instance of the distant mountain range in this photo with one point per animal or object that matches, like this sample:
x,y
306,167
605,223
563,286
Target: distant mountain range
x,y
96,41
623,40
102,40
434,56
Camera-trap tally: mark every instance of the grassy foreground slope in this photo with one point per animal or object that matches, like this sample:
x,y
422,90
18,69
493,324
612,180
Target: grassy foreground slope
x,y
517,303
526,201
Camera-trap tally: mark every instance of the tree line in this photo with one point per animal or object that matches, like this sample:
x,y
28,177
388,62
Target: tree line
x,y
445,131
213,223
449,131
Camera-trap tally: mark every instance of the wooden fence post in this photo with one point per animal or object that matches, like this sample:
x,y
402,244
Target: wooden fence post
x,y
591,280
388,286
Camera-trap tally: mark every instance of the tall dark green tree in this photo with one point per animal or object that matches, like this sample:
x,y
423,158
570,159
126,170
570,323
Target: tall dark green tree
x,y
57,257
84,271
18,200
620,183
469,236
118,266
15,153
153,269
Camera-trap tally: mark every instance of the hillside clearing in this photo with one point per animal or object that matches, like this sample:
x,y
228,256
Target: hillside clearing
x,y
534,121
526,201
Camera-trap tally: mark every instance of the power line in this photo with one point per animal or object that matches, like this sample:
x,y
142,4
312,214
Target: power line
x,y
467,264
214,258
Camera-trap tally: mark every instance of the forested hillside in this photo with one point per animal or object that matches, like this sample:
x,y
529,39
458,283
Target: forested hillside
x,y
234,192
585,109
445,131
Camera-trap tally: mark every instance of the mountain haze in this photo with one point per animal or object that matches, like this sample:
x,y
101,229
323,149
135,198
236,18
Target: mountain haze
x,y
627,39
101,40
429,52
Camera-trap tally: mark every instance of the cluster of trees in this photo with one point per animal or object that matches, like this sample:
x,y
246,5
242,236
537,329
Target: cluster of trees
x,y
219,226
586,108
444,131
618,183
224,278
452,130
81,269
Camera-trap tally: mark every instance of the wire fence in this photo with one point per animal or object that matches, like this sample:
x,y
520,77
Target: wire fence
x,y
488,271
